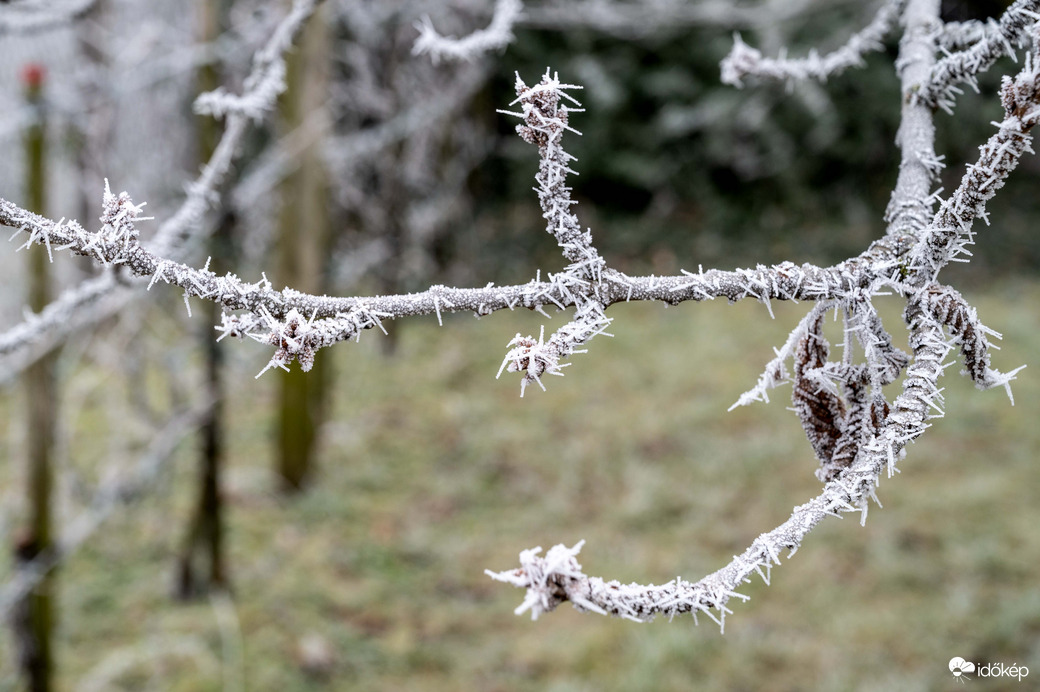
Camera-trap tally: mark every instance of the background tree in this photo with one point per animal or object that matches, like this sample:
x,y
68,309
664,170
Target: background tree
x,y
205,536
302,245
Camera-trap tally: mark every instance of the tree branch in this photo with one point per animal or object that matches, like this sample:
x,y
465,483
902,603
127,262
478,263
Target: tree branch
x,y
497,35
745,61
940,88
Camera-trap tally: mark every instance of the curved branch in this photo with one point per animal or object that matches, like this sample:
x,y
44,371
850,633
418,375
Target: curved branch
x,y
497,35
557,577
745,61
30,22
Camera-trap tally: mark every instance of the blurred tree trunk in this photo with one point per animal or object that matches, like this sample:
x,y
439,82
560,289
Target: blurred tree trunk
x,y
202,566
302,246
36,614
91,133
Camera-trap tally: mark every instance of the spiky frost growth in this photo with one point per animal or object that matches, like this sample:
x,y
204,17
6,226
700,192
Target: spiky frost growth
x,y
497,35
537,358
100,297
885,362
745,61
957,36
267,78
838,404
949,308
964,66
854,430
950,233
298,338
114,243
776,372
545,118
118,216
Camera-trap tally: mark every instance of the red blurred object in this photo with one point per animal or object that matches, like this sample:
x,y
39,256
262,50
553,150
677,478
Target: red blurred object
x,y
33,75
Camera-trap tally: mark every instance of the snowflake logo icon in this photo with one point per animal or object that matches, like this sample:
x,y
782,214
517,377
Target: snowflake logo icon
x,y
959,667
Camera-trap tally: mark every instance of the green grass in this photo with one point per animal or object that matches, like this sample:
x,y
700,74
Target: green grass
x,y
433,471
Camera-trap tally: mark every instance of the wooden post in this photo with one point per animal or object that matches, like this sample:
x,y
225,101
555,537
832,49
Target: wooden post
x,y
36,614
302,248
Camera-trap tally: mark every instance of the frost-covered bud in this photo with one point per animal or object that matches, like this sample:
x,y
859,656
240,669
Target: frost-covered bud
x,y
1019,96
543,115
533,358
519,356
741,61
118,216
295,339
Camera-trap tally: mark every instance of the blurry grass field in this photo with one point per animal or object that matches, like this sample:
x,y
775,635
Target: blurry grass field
x,y
433,471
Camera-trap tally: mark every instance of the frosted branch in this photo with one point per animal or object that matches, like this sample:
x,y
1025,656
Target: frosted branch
x,y
266,80
745,61
855,433
885,361
957,36
339,319
964,66
497,35
545,119
558,577
910,207
950,233
25,22
177,234
949,308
